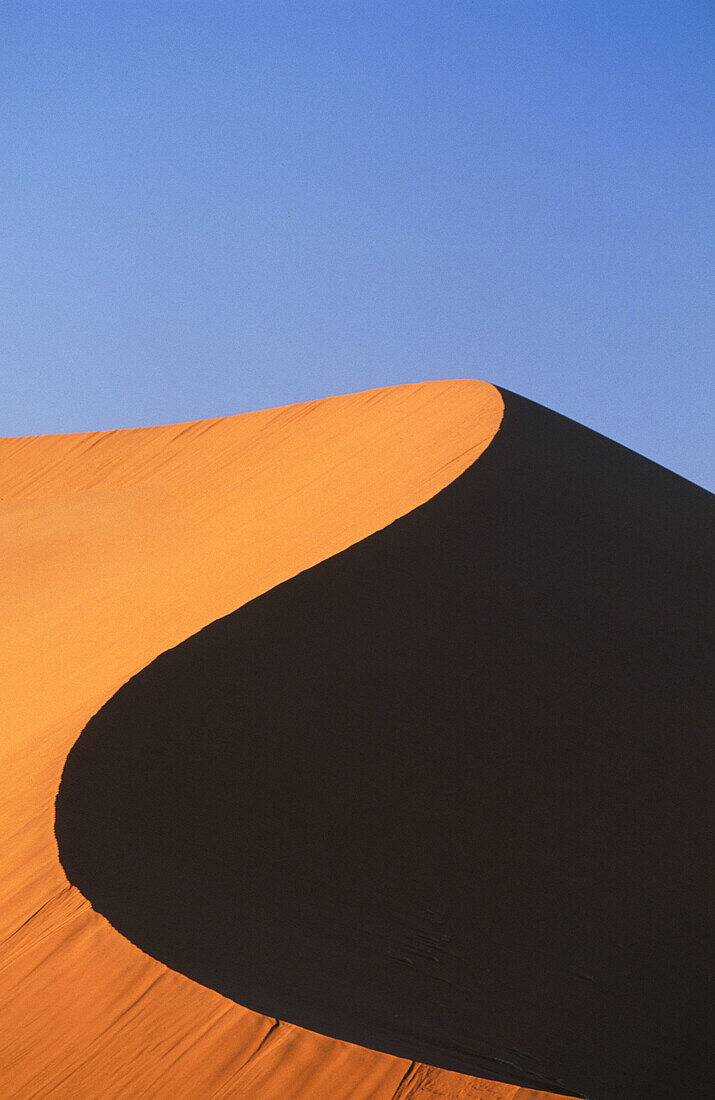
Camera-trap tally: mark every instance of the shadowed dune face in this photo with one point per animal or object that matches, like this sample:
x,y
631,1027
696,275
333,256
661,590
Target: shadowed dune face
x,y
115,546
444,793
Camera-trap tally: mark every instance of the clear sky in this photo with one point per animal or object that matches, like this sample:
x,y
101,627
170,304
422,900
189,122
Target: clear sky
x,y
214,207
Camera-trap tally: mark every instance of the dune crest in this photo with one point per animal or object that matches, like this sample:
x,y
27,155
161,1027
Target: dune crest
x,y
446,775
115,547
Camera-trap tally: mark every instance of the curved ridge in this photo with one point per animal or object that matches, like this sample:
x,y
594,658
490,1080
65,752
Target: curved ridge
x,y
115,546
443,793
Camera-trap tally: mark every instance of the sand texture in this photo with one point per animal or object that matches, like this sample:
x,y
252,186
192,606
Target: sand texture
x,y
115,547
384,715
409,796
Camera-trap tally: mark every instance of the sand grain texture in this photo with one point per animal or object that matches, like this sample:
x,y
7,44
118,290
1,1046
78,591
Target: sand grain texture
x,y
445,793
116,546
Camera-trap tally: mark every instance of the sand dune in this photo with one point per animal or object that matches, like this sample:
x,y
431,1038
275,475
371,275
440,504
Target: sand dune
x,y
408,797
115,547
362,565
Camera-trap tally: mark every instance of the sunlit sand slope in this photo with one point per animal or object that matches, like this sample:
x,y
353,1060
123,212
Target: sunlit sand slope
x,y
445,793
114,547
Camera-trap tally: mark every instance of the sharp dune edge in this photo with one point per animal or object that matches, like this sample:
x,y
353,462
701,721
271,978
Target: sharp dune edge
x,y
116,546
443,794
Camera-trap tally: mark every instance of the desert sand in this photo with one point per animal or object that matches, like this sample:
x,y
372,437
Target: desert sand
x,y
116,546
410,794
385,717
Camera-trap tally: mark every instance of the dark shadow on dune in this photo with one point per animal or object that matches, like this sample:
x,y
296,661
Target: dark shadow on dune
x,y
443,795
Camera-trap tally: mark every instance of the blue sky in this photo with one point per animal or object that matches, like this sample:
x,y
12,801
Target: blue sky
x,y
213,207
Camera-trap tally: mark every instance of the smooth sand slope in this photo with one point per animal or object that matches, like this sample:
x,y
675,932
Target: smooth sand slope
x,y
444,794
114,547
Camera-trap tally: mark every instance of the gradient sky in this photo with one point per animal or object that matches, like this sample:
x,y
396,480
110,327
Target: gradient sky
x,y
214,207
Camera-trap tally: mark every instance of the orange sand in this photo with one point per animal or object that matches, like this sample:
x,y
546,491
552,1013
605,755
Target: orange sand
x,y
116,546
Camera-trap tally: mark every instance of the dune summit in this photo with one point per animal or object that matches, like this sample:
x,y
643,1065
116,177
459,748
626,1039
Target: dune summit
x,y
442,794
116,546
380,636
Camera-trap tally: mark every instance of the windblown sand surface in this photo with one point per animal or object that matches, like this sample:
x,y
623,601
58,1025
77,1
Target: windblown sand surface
x,y
445,793
384,716
115,547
